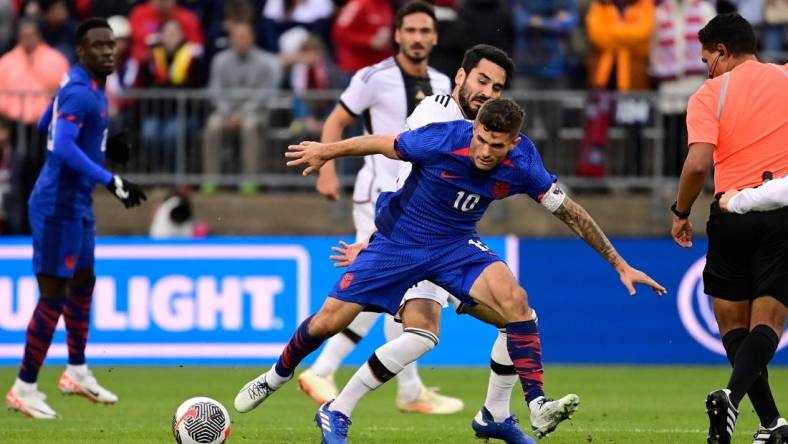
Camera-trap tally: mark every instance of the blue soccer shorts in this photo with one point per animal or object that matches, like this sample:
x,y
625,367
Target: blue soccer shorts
x,y
383,271
62,245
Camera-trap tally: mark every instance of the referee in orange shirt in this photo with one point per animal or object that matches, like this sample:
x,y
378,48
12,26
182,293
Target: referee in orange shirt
x,y
739,119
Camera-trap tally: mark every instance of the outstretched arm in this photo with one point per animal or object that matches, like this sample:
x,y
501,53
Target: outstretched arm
x,y
315,155
769,196
578,219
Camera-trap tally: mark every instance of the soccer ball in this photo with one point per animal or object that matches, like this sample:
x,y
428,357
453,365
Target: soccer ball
x,y
201,420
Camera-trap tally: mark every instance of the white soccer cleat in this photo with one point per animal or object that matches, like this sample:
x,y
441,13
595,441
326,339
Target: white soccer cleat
x,y
320,388
85,384
253,393
30,402
430,402
546,413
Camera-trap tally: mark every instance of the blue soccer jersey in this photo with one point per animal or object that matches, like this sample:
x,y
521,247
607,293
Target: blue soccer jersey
x,y
76,125
446,195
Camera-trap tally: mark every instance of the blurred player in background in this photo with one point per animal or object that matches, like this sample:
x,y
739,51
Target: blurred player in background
x,y
427,231
773,194
384,95
738,120
63,224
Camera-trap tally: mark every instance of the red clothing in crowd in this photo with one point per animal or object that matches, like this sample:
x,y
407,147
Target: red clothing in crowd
x,y
356,26
145,21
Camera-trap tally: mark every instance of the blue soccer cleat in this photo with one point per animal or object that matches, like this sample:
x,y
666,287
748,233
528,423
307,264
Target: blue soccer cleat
x,y
333,425
508,431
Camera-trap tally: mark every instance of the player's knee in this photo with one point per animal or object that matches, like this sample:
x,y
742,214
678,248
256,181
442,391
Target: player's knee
x,y
515,305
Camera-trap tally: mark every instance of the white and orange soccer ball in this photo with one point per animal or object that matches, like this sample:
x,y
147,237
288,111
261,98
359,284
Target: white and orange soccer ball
x,y
201,420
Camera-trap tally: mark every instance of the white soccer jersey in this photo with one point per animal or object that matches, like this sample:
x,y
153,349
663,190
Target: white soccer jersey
x,y
769,196
384,96
433,109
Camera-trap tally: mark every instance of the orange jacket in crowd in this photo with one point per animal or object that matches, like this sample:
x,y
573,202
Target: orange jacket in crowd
x,y
620,40
40,73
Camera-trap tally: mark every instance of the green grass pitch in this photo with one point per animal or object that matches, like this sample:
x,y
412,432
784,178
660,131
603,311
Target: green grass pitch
x,y
618,405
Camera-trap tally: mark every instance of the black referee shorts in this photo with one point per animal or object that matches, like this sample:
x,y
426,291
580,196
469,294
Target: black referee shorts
x,y
748,255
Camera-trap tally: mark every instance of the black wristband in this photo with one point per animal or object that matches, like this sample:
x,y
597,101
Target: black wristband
x,y
679,214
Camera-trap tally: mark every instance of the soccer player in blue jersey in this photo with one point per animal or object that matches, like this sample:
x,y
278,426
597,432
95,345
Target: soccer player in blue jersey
x,y
62,221
427,231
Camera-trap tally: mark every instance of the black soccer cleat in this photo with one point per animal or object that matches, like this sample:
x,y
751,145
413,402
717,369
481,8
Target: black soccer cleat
x,y
776,434
722,417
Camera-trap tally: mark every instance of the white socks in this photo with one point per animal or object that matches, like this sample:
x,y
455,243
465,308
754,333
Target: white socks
x,y
274,380
21,386
340,345
499,388
408,381
77,370
388,360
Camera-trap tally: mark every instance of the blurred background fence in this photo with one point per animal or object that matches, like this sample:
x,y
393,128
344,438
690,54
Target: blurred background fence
x,y
170,131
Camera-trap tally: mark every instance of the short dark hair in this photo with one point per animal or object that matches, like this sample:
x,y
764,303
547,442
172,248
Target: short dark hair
x,y
87,25
732,30
475,55
501,115
414,7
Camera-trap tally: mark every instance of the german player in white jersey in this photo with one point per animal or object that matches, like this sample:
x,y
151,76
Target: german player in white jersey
x,y
383,95
484,72
773,194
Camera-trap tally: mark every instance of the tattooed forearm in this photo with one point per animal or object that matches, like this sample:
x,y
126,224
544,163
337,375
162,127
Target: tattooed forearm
x,y
578,219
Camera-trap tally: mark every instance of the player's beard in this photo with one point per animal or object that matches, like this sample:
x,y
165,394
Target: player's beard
x,y
414,58
465,102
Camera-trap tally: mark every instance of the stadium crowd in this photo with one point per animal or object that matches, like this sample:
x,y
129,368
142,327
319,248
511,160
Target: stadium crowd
x,y
599,46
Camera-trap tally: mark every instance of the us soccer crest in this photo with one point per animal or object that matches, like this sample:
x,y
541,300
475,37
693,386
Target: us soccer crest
x,y
501,190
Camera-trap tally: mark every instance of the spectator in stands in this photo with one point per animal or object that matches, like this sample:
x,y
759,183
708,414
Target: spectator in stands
x,y
222,18
620,34
488,21
5,170
543,32
58,28
281,15
242,67
174,218
311,72
125,75
453,38
677,69
173,63
146,21
32,68
362,34
106,8
774,33
7,19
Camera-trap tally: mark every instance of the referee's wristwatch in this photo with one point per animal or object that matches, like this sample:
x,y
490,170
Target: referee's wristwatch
x,y
680,214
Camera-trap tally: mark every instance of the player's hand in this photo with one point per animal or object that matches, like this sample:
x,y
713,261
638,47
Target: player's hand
x,y
346,254
127,192
328,184
118,147
306,153
726,198
630,276
682,232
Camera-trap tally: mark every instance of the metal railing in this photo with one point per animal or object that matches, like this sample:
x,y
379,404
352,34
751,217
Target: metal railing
x,y
171,133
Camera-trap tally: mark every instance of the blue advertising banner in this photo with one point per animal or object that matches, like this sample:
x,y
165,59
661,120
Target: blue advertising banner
x,y
586,316
223,300
238,300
